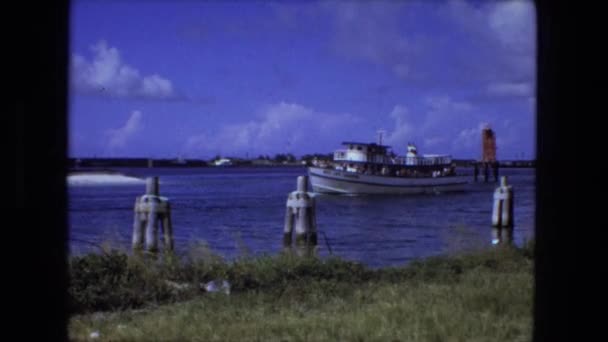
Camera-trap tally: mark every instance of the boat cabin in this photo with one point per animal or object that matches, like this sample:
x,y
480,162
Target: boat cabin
x,y
378,159
362,153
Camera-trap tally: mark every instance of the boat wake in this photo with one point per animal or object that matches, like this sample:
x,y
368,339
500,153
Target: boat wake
x,y
93,179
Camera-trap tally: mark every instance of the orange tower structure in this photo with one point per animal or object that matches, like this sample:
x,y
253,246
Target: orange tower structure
x,y
488,145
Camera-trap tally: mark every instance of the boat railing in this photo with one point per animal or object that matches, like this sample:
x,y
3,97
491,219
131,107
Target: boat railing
x,y
423,161
343,156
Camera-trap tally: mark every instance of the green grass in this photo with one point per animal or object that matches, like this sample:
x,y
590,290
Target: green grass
x,y
482,296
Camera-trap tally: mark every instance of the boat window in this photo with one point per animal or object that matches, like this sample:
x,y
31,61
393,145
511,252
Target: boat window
x,y
359,148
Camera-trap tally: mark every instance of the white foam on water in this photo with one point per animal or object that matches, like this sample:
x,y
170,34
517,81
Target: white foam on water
x,y
102,179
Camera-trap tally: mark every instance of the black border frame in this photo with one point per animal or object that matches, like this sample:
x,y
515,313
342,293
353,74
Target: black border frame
x,y
38,97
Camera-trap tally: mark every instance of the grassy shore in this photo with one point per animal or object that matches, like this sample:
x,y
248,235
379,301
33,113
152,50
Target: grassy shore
x,y
480,296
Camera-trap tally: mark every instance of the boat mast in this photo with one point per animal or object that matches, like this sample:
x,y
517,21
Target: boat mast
x,y
380,132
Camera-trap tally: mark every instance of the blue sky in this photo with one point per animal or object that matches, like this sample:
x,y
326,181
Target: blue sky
x,y
195,79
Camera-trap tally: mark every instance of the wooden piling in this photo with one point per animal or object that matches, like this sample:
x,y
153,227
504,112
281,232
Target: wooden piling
x,y
497,208
496,236
139,223
485,172
152,186
506,235
312,214
302,218
475,171
502,213
288,227
152,227
151,213
507,208
168,229
300,215
302,184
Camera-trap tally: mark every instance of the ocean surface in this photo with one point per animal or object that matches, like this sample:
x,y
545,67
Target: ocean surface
x,y
241,211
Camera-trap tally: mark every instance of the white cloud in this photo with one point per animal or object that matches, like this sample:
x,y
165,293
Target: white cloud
x,y
117,138
481,46
370,31
513,24
401,134
107,75
441,122
497,39
445,104
156,87
401,70
468,138
280,128
434,141
504,38
515,89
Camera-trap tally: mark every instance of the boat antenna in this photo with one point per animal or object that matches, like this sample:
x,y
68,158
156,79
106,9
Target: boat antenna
x,y
380,132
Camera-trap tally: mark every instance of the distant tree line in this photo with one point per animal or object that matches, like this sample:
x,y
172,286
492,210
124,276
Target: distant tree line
x,y
318,156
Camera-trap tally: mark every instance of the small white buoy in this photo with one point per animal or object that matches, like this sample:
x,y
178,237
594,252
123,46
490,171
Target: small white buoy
x,y
217,286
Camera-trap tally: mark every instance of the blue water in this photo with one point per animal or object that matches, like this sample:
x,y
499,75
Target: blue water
x,y
241,210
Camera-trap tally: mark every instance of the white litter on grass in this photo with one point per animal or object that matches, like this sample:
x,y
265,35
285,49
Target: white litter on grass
x,y
217,286
94,334
102,179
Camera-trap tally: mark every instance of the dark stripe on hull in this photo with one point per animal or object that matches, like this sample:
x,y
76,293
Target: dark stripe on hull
x,y
345,184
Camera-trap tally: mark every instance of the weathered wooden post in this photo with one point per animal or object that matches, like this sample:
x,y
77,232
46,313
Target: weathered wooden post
x,y
152,211
475,171
288,227
168,227
139,224
151,222
301,215
502,213
486,172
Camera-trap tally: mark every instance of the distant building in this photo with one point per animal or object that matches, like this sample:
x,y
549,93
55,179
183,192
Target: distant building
x,y
488,145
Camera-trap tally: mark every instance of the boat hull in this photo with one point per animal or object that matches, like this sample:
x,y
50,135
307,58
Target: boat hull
x,y
344,182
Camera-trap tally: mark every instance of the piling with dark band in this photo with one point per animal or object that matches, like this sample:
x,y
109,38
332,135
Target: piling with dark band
x,y
301,215
502,213
168,227
151,224
152,186
139,224
288,227
152,212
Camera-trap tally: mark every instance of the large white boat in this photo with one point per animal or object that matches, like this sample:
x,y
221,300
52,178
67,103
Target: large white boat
x,y
361,168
